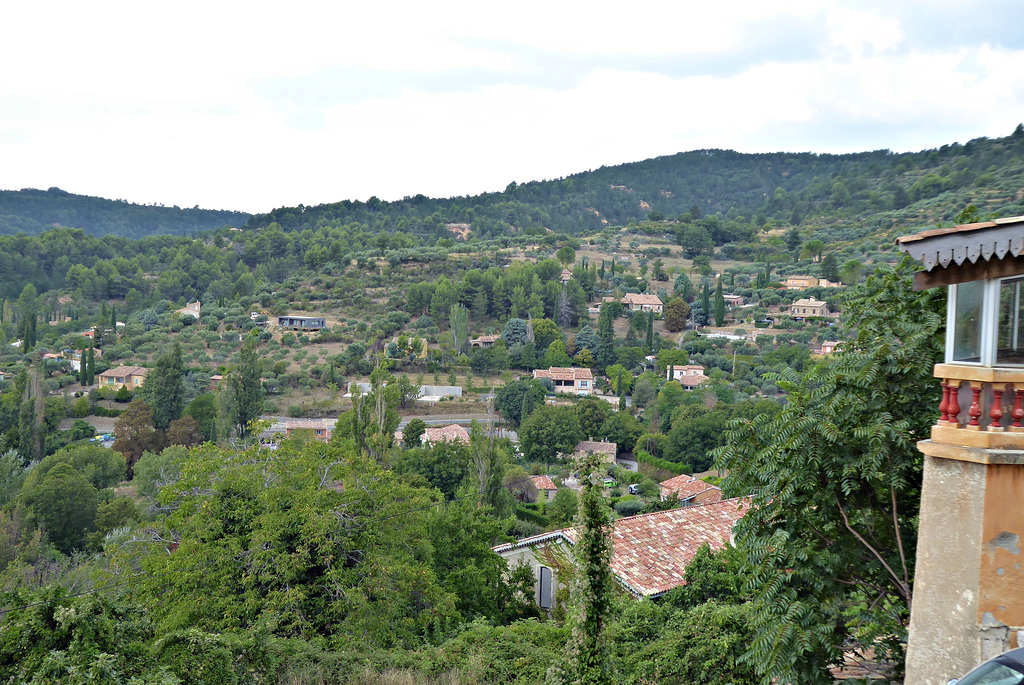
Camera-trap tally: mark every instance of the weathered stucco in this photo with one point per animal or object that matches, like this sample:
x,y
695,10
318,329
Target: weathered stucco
x,y
1002,562
944,638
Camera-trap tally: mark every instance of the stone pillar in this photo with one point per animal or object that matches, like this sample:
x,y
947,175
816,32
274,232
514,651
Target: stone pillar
x,y
968,602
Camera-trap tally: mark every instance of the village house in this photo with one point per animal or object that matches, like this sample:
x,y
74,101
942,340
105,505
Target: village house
x,y
800,282
809,307
191,309
690,490
638,302
453,432
546,488
215,381
302,323
566,276
321,429
733,300
121,376
484,341
650,552
828,347
604,450
579,381
690,375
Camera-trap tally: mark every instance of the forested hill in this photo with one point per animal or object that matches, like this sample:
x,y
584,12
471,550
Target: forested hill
x,y
35,211
787,188
873,190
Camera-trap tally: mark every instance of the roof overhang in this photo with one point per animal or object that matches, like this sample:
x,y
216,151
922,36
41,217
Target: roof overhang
x,y
968,252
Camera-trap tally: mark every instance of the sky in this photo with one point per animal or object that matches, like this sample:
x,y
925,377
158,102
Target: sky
x,y
255,105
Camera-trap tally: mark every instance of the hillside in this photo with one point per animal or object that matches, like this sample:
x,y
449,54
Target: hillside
x,y
34,211
871,189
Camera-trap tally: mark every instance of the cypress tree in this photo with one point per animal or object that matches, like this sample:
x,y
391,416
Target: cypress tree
x,y
719,305
650,333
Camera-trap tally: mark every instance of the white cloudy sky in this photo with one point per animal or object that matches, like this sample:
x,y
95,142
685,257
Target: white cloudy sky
x,y
254,105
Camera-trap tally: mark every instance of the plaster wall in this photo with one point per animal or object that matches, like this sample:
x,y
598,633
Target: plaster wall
x,y
1002,563
528,556
944,641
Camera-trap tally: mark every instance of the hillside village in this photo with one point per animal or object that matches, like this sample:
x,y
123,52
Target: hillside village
x,y
366,445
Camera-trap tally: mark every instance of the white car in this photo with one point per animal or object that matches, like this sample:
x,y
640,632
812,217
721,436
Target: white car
x,y
1005,669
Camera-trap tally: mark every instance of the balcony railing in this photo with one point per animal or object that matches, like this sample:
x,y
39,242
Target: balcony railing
x,y
980,407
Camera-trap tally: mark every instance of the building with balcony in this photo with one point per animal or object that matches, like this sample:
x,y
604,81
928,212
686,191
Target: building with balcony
x,y
969,579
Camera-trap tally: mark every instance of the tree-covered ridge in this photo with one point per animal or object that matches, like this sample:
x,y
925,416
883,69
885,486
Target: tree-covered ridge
x,y
34,211
786,188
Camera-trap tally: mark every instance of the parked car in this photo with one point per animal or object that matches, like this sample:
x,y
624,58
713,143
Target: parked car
x,y
1005,669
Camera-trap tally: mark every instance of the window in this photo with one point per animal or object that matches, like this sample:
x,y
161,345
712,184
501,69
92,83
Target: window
x,y
1010,335
967,301
544,587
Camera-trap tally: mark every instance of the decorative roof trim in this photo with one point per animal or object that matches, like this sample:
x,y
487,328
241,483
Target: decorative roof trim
x,y
944,247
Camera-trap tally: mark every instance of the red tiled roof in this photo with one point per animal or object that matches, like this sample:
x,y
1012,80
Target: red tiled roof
x,y
650,552
309,424
122,371
641,299
450,433
687,487
597,447
564,373
543,483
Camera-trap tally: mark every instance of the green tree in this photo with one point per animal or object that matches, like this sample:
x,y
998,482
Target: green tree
x,y
851,272
412,434
649,339
695,241
517,398
677,311
64,505
566,255
135,433
244,398
621,379
556,355
830,268
719,306
168,388
835,476
549,432
458,320
204,410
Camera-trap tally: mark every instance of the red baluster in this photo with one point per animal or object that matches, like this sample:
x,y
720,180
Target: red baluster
x,y
944,404
975,411
954,403
1018,407
996,411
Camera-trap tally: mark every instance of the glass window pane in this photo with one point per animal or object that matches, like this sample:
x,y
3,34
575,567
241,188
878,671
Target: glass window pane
x,y
1010,342
967,327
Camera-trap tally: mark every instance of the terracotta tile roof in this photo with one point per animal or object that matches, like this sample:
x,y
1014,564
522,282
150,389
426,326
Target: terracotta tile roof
x,y
450,433
641,299
543,483
687,487
597,447
487,339
122,371
650,552
309,424
564,373
808,302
